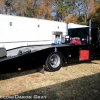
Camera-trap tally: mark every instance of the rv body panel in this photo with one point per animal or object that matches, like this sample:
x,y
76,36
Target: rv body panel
x,y
18,31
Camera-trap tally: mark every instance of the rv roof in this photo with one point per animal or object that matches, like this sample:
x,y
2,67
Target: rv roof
x,y
72,25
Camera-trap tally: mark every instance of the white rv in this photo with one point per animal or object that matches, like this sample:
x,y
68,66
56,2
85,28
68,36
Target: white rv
x,y
18,31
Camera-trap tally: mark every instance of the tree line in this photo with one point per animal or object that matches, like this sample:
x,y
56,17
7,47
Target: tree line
x,y
70,11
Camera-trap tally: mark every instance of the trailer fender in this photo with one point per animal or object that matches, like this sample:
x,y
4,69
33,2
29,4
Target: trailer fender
x,y
54,61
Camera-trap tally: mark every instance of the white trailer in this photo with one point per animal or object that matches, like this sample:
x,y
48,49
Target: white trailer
x,y
18,31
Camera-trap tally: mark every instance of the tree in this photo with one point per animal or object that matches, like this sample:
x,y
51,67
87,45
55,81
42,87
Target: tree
x,y
44,9
84,7
80,19
61,9
95,16
71,19
22,7
30,8
79,10
98,1
1,6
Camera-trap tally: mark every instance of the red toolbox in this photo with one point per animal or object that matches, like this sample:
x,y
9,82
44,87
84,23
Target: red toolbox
x,y
83,55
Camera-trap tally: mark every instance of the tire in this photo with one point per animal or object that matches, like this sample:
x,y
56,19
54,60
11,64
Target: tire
x,y
53,62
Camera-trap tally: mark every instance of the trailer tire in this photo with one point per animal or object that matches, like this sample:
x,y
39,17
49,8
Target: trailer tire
x,y
53,62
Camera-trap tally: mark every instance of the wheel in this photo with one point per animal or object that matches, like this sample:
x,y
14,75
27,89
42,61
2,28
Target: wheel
x,y
53,62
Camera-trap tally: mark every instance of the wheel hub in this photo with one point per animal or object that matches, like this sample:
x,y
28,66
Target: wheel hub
x,y
54,61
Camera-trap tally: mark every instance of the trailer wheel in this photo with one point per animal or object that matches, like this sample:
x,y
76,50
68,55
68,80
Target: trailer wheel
x,y
53,62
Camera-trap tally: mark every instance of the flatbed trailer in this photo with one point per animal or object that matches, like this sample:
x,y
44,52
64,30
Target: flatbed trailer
x,y
52,56
49,55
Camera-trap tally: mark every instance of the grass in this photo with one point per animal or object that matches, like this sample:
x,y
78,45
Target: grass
x,y
73,82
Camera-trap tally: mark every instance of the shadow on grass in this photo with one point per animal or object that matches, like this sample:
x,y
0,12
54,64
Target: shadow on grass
x,y
80,62
11,70
84,88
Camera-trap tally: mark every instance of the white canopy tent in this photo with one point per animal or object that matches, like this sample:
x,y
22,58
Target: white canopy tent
x,y
72,25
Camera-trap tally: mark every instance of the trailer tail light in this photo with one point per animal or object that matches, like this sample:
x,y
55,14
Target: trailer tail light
x,y
83,55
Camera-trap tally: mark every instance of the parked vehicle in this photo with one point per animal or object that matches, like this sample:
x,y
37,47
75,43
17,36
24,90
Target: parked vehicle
x,y
28,39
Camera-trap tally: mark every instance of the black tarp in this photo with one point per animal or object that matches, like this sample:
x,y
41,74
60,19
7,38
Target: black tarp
x,y
79,32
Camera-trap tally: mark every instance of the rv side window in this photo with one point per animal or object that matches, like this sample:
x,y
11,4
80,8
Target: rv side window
x,y
10,23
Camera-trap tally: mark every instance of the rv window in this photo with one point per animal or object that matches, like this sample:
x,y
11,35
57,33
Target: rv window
x,y
38,25
10,23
